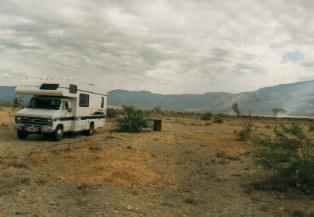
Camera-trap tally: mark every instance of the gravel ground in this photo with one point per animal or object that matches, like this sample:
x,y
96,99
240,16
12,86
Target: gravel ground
x,y
189,169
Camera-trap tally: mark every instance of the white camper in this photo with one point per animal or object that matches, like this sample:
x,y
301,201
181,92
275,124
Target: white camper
x,y
59,107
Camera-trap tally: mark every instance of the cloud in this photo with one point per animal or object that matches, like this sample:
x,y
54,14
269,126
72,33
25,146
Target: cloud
x,y
162,46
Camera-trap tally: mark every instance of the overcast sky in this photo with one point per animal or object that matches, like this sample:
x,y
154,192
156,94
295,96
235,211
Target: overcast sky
x,y
174,46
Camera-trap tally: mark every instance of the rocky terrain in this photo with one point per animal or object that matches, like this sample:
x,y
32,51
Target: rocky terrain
x,y
191,168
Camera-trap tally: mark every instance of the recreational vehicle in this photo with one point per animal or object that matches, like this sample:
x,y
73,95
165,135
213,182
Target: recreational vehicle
x,y
58,107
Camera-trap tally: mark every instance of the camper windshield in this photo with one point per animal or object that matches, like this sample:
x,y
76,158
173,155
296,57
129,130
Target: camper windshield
x,y
45,103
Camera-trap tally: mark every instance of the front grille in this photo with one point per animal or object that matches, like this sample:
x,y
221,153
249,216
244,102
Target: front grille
x,y
34,121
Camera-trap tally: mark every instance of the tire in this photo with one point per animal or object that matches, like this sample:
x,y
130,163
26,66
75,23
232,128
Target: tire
x,y
22,135
91,130
58,134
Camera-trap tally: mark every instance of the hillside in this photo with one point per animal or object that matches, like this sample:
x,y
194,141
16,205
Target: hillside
x,y
184,102
296,98
6,95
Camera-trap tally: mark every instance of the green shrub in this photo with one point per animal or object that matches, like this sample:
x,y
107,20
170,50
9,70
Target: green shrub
x,y
157,110
289,155
218,120
311,127
132,120
277,111
267,126
207,116
246,132
112,113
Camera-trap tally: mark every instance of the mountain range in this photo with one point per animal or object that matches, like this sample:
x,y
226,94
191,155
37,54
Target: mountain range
x,y
295,98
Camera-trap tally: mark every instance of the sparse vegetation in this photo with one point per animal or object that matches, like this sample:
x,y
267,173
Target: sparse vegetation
x,y
267,126
277,111
246,132
157,110
188,155
112,113
207,116
218,120
311,127
289,155
132,120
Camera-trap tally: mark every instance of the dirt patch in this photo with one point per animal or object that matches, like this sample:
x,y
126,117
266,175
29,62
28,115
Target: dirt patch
x,y
117,173
6,118
232,153
187,169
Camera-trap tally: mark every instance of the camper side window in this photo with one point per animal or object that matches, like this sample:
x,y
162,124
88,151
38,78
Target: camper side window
x,y
102,102
84,100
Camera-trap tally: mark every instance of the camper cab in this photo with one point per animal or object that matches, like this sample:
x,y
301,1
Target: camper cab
x,y
55,108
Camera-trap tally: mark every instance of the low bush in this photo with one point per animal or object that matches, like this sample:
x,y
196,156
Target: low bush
x,y
311,127
157,110
218,120
132,120
289,155
246,132
267,126
112,113
207,116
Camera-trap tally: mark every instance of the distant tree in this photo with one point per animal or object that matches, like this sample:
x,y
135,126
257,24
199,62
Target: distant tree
x,y
236,109
157,110
18,103
277,111
207,116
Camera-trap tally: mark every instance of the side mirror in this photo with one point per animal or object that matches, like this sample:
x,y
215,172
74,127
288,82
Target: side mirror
x,y
68,106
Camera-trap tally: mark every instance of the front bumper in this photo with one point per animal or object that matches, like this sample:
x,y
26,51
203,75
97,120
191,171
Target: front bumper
x,y
35,129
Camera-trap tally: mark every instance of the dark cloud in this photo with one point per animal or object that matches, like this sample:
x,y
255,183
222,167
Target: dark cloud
x,y
308,64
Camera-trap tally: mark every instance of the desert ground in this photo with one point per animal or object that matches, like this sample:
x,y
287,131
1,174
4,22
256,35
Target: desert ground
x,y
191,168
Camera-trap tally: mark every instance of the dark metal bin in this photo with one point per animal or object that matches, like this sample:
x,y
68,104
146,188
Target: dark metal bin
x,y
157,125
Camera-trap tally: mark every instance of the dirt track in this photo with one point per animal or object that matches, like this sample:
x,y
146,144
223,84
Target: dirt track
x,y
188,169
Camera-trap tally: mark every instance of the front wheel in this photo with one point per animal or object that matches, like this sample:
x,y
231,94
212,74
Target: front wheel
x,y
21,134
58,134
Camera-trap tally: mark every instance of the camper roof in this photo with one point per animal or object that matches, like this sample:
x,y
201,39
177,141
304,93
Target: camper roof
x,y
54,88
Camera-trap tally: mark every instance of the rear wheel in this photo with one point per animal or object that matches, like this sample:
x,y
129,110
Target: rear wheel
x,y
21,134
58,134
91,129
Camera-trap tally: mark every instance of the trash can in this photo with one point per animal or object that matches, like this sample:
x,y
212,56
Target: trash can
x,y
157,125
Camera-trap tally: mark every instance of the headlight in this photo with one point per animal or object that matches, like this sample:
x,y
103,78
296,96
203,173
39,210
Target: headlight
x,y
18,118
49,120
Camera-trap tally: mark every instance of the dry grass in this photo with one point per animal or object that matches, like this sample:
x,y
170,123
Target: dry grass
x,y
189,169
117,173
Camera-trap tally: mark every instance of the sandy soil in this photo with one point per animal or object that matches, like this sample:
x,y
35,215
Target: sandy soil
x,y
191,168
